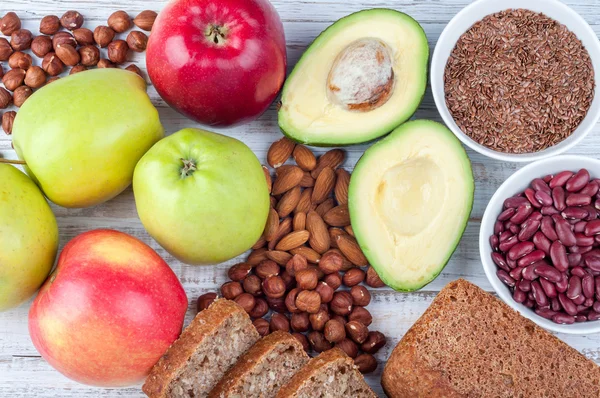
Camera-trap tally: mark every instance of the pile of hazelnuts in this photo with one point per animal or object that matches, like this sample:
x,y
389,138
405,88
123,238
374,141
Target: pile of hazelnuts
x,y
75,47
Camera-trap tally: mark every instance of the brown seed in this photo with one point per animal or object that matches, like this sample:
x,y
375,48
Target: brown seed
x,y
288,280
349,230
239,271
5,49
310,255
339,216
13,79
262,326
346,265
362,315
49,25
230,290
334,331
372,279
277,304
67,54
205,300
353,277
325,291
5,98
357,331
350,248
266,269
307,181
90,55
253,285
103,35
279,256
20,40
133,68
52,80
302,340
366,363
332,159
319,235
10,23
137,41
272,225
300,321
308,301
293,240
296,264
280,151
261,308
117,51
307,279
324,207
331,262
119,21
261,242
304,158
299,221
287,178
1,71
318,342
273,287
105,63
84,37
41,46
71,20
279,322
21,94
341,304
285,227
268,178
348,346
77,69
20,60
304,203
323,185
290,300
7,121
63,38
341,186
145,20
374,342
52,65
246,301
288,202
360,295
319,319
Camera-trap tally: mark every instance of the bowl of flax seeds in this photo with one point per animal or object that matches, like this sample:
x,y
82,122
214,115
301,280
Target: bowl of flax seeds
x,y
515,80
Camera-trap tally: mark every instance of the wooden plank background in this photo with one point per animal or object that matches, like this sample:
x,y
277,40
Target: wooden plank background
x,y
23,373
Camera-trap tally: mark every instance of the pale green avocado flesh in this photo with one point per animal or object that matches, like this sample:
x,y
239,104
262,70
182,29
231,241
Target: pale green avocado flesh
x,y
363,76
410,198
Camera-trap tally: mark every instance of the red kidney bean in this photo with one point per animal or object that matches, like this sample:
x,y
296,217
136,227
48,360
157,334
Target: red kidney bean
x,y
548,287
555,304
511,263
549,210
597,282
580,249
578,271
588,302
515,273
590,189
596,306
499,227
578,199
597,239
558,198
520,249
519,296
560,179
538,294
581,318
548,272
548,178
515,202
514,228
592,213
500,261
529,272
564,233
569,306
506,214
494,242
541,242
573,213
544,198
593,316
540,186
587,286
579,226
592,262
508,243
530,303
597,203
583,240
522,213
531,258
545,313
524,285
528,229
574,259
578,181
574,289
547,227
505,235
505,278
592,228
530,195
558,255
579,300
563,284
563,319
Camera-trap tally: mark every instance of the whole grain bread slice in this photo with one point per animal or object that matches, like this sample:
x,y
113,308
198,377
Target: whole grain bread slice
x,y
329,375
263,369
470,344
206,349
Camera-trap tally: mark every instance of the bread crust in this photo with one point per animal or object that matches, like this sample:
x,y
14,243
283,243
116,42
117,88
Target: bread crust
x,y
512,356
177,356
252,357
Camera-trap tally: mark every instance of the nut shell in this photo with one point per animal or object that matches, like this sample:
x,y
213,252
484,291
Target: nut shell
x,y
117,51
20,40
119,21
71,20
41,45
13,78
137,41
52,65
145,20
35,77
49,25
10,23
103,35
246,301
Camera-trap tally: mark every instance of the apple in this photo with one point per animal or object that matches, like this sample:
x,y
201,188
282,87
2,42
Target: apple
x,y
82,135
28,237
109,311
218,62
203,196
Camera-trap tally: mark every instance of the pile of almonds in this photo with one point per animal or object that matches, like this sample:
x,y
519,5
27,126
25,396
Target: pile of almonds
x,y
306,255
75,46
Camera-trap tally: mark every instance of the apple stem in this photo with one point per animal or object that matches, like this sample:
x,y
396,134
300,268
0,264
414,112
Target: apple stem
x,y
11,161
189,166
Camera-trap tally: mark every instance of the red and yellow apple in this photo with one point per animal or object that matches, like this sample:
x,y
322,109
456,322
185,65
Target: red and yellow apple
x,y
109,311
219,62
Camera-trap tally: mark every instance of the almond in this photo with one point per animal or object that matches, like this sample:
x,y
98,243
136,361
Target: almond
x,y
299,222
350,248
261,242
272,225
268,178
307,180
341,186
285,227
280,257
304,157
280,151
308,253
319,235
325,207
288,202
349,230
323,185
339,216
333,159
346,264
257,256
333,234
304,203
287,178
293,240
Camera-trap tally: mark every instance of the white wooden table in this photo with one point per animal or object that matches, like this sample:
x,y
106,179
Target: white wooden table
x,y
23,373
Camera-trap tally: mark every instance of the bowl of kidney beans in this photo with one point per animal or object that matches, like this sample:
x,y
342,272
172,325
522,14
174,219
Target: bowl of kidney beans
x,y
540,243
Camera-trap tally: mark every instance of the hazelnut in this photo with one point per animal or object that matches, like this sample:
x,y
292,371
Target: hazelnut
x,y
340,319
10,23
21,94
300,321
5,98
52,80
267,268
334,280
104,63
20,60
252,285
117,51
7,121
5,49
119,21
360,296
307,279
262,326
373,343
205,300
1,71
246,301
273,286
52,64
325,291
41,46
137,41
318,320
290,300
348,346
331,262
318,342
277,304
341,304
357,331
103,35
308,301
373,279
49,25
83,36
145,20
366,363
90,55
133,68
71,20
260,308
289,280
353,277
231,290
67,54
77,69
334,331
279,322
21,39
13,79
362,315
302,340
239,271
296,263
63,38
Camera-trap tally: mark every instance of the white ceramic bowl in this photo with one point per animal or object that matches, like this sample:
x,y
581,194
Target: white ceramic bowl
x,y
477,11
513,185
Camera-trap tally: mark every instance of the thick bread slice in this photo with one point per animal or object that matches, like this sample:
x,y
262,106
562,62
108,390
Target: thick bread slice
x,y
332,374
470,344
263,369
206,349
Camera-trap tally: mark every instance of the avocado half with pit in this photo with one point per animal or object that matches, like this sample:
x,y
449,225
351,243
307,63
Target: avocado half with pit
x,y
363,76
410,198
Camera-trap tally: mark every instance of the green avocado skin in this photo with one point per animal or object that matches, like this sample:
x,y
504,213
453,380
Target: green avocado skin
x,y
377,131
397,137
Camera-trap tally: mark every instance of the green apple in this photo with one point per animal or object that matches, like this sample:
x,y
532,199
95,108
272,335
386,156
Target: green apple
x,y
28,237
82,135
203,196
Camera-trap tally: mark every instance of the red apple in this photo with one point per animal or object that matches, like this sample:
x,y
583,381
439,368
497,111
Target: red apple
x,y
109,311
219,62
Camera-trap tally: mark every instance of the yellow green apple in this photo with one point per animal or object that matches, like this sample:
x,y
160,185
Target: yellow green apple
x,y
82,135
28,237
202,196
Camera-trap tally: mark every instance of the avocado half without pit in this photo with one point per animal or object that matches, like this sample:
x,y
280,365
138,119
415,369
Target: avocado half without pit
x,y
410,198
362,77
